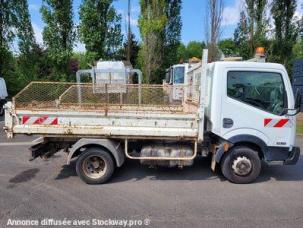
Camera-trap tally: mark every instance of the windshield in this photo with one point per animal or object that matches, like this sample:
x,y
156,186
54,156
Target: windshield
x,y
179,75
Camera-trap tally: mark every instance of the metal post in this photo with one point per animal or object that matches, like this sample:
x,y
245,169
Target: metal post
x,y
139,73
78,76
107,99
202,95
128,33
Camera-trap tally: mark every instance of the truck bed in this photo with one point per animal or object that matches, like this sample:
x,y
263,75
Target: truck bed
x,y
132,111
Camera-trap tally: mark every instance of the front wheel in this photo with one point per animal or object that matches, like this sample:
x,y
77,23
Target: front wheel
x,y
95,166
241,165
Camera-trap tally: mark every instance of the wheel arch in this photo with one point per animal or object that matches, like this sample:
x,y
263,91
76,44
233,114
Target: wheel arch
x,y
251,141
113,147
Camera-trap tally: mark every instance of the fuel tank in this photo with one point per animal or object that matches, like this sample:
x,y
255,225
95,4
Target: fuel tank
x,y
173,151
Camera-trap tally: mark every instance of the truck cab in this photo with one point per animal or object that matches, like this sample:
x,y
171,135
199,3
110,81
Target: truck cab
x,y
3,95
252,105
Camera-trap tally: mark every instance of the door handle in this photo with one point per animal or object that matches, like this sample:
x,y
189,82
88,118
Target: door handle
x,y
227,123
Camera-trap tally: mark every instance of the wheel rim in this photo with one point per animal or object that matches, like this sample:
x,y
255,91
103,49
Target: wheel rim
x,y
242,166
94,166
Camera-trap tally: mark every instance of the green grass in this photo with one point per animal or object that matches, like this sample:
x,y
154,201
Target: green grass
x,y
300,127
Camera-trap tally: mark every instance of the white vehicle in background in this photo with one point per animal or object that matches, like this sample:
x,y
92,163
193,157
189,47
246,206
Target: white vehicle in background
x,y
176,77
110,72
109,77
3,95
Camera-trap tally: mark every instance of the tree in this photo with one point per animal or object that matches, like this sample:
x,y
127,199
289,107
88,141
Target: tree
x,y
250,6
285,30
172,32
214,18
7,34
27,60
228,47
25,32
8,22
129,48
297,50
133,48
261,23
252,28
182,53
100,28
241,36
193,49
152,24
257,23
58,35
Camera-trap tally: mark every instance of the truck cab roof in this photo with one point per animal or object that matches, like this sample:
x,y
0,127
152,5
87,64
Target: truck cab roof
x,y
241,64
256,65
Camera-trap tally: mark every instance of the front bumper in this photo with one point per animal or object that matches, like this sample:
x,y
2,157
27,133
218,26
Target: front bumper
x,y
293,157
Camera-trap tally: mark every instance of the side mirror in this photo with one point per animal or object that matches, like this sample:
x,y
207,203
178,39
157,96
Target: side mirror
x,y
298,100
297,108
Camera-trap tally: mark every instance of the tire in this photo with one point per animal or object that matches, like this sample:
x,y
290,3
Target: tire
x,y
241,165
95,166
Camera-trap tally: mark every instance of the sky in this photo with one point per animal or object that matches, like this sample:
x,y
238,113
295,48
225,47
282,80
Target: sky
x,y
192,14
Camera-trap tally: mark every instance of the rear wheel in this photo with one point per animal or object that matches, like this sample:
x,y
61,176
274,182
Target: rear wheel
x,y
241,165
95,166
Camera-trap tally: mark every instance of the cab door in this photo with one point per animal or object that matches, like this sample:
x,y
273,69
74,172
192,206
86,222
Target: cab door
x,y
253,104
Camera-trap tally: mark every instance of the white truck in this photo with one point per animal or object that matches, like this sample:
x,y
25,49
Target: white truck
x,y
3,95
244,113
176,73
176,76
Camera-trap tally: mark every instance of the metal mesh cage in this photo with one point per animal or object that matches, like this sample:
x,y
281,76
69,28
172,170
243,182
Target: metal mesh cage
x,y
107,97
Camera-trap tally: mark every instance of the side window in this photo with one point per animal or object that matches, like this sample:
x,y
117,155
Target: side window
x,y
263,90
